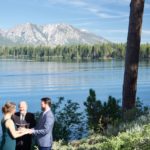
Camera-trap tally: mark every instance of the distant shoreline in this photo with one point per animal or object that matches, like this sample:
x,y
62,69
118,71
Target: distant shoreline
x,y
84,52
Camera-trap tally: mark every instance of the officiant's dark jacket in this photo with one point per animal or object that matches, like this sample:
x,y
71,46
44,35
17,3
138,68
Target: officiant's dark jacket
x,y
24,142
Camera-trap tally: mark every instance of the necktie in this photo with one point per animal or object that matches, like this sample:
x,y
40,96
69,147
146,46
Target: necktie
x,y
22,117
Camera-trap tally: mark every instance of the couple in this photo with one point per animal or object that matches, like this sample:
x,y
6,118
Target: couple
x,y
42,132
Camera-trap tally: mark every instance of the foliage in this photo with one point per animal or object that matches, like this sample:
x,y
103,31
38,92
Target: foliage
x,y
69,52
107,117
111,132
136,136
93,110
69,122
103,118
137,111
99,113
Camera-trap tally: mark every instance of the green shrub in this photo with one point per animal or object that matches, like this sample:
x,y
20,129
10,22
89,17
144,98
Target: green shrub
x,y
100,114
135,137
69,122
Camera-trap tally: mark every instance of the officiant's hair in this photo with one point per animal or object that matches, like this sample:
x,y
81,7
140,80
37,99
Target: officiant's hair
x,y
25,103
46,100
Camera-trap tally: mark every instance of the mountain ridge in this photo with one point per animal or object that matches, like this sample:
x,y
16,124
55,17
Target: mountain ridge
x,y
48,35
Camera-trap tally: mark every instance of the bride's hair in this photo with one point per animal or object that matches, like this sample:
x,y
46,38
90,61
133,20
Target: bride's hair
x,y
8,107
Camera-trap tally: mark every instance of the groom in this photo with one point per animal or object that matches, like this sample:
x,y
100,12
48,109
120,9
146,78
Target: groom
x,y
43,130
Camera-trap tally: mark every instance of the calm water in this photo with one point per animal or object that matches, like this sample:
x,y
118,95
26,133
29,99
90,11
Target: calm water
x,y
31,81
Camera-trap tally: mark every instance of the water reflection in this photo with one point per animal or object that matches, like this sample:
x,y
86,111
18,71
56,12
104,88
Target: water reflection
x,y
32,80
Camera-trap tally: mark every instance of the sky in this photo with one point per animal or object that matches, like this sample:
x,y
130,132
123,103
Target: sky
x,y
106,18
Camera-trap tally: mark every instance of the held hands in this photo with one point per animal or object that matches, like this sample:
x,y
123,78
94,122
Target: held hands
x,y
21,129
30,131
25,131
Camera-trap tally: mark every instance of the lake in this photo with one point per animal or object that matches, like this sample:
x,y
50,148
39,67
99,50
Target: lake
x,y
30,81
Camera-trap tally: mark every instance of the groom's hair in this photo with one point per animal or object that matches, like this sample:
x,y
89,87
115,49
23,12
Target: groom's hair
x,y
46,100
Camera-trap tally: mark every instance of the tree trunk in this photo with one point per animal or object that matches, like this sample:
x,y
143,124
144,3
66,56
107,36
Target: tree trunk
x,y
132,54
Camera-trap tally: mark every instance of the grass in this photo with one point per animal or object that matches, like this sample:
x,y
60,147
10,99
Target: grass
x,y
131,136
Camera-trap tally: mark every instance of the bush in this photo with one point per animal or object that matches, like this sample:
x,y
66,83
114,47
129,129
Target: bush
x,y
107,117
100,114
111,132
69,122
135,137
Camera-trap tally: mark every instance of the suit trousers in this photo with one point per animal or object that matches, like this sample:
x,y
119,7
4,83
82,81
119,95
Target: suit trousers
x,y
44,148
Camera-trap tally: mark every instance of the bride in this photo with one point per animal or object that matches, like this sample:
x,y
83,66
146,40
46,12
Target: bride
x,y
9,132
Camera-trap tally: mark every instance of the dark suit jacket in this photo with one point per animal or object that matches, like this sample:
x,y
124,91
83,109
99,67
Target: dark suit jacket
x,y
24,142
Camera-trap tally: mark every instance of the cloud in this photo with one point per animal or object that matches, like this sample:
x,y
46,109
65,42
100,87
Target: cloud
x,y
83,23
109,16
117,2
112,31
104,9
120,35
78,2
84,30
118,31
146,33
68,2
100,11
106,13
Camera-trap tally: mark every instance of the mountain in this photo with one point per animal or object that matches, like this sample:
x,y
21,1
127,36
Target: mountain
x,y
4,40
51,34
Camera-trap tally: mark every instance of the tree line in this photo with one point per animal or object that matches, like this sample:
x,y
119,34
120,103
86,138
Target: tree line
x,y
71,52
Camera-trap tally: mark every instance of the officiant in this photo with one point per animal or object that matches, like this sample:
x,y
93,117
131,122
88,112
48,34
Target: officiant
x,y
24,119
